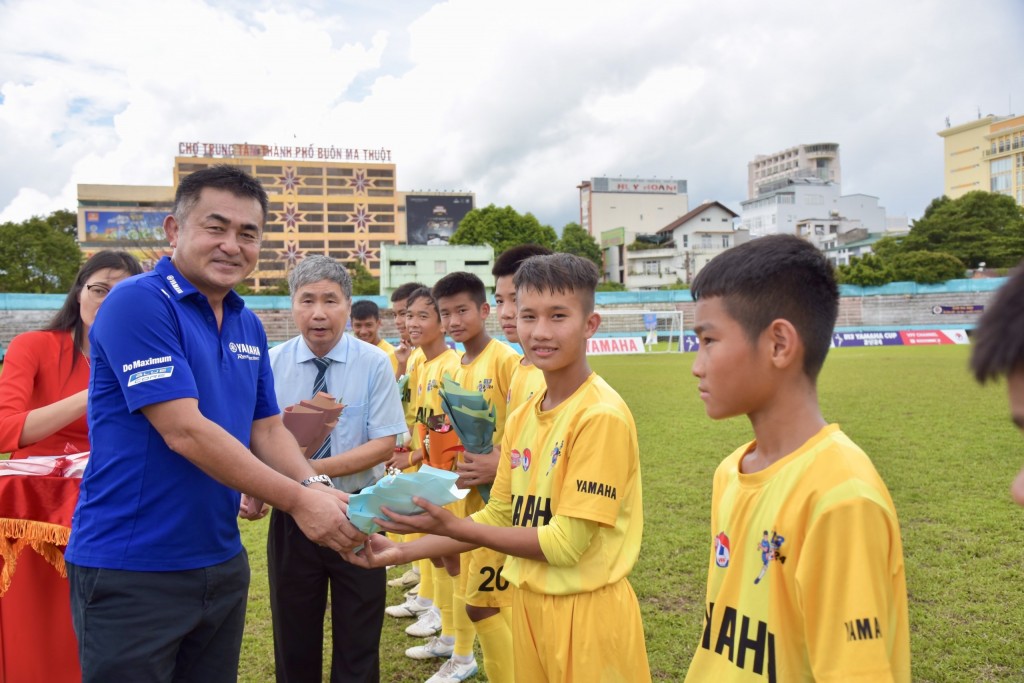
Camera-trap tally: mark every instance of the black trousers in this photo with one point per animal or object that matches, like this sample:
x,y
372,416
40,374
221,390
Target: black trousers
x,y
160,626
300,574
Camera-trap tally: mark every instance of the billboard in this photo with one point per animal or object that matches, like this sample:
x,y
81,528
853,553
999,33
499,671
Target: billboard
x,y
433,218
128,225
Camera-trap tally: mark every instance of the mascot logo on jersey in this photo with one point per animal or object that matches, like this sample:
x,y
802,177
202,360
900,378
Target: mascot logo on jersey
x,y
483,385
555,452
722,550
769,547
515,457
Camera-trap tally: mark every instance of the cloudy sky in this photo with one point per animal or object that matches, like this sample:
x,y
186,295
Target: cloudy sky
x,y
517,102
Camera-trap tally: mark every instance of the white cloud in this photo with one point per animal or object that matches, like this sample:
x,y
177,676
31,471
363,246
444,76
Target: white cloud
x,y
517,102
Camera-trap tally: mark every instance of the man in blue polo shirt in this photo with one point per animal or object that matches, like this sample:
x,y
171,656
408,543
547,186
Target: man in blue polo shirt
x,y
182,416
360,376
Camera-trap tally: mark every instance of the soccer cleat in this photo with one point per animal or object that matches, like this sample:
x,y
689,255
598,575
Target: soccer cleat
x,y
427,625
408,609
453,672
435,647
409,578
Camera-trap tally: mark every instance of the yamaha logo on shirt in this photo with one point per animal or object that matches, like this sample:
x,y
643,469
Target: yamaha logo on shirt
x,y
244,351
174,284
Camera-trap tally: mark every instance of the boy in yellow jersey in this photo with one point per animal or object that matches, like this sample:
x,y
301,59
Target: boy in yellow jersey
x,y
423,325
999,352
806,578
566,505
407,357
480,590
527,379
366,327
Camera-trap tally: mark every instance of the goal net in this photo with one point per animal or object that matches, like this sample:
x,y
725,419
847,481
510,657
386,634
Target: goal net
x,y
637,331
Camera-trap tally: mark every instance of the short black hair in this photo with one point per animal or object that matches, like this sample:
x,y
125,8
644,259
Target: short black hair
x,y
403,291
508,261
424,293
560,273
221,177
461,282
364,310
999,338
773,277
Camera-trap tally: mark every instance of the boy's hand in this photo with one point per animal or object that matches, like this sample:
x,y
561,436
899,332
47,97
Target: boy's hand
x,y
405,459
378,551
477,469
403,351
433,520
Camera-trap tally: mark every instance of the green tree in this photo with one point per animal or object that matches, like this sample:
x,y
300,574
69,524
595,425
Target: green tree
x,y
576,240
37,257
926,267
363,281
977,227
866,271
503,228
64,221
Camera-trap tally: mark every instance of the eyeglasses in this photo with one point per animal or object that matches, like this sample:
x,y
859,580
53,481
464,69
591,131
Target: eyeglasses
x,y
97,292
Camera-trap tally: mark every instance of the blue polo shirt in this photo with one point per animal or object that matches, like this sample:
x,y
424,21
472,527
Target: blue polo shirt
x,y
142,506
361,377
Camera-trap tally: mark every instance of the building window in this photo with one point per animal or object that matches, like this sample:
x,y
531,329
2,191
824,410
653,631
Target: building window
x,y
650,267
705,241
686,241
440,267
725,241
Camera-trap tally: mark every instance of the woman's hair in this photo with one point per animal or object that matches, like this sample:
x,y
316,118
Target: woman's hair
x,y
69,317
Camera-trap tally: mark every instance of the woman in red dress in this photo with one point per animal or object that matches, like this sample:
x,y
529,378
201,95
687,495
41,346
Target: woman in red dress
x,y
46,372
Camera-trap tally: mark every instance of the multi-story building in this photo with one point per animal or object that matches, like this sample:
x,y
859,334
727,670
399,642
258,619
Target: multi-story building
x,y
819,160
343,209
684,247
986,154
401,263
615,210
777,211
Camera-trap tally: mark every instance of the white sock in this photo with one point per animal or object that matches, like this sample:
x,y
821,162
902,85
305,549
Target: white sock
x,y
424,602
448,640
462,659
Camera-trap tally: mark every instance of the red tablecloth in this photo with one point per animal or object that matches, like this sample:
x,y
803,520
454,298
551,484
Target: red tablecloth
x,y
37,642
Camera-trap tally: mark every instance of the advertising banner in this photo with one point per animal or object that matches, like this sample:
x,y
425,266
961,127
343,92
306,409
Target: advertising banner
x,y
433,219
878,338
135,225
614,345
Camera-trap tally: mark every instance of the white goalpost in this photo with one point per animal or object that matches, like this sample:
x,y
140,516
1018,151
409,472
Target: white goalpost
x,y
637,330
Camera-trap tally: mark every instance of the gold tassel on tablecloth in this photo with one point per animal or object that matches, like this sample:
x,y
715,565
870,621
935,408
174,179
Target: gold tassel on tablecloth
x,y
46,539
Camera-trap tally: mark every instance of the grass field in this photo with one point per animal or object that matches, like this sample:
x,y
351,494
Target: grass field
x,y
945,447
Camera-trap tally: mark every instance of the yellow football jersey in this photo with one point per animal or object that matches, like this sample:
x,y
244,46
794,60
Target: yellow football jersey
x,y
412,365
580,459
491,374
387,348
527,380
426,385
806,579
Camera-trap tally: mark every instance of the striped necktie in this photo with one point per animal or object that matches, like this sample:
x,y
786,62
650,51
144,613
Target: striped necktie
x,y
320,384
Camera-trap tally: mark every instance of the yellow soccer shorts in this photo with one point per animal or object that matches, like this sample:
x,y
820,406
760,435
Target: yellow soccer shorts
x,y
480,581
596,636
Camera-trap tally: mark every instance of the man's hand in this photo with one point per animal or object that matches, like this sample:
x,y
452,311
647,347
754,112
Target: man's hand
x,y
320,515
378,551
478,469
252,508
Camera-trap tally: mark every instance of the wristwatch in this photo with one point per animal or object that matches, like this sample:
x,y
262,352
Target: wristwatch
x,y
318,479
